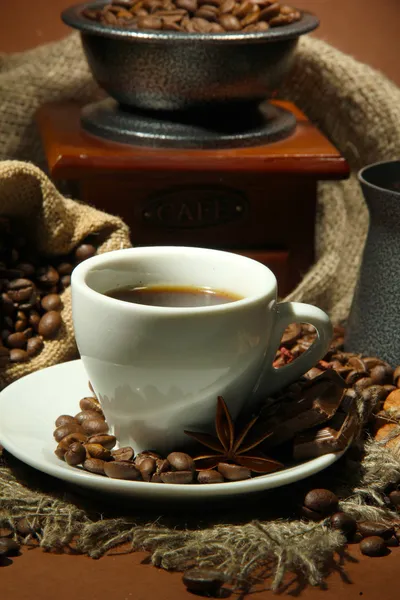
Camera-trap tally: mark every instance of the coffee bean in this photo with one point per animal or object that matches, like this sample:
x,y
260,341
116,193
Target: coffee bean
x,y
76,454
64,268
207,12
91,404
178,477
8,547
64,430
321,501
123,454
94,465
180,461
249,19
354,375
229,22
67,441
51,302
392,542
204,581
85,415
381,374
156,478
98,451
150,22
244,9
94,426
233,472
47,276
22,292
50,324
119,469
18,356
227,6
16,340
311,515
34,319
107,441
65,420
34,346
373,546
27,269
396,376
344,522
4,357
211,476
147,468
371,528
395,497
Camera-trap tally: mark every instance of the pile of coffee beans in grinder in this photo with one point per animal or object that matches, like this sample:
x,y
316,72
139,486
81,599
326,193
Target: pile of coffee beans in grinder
x,y
30,288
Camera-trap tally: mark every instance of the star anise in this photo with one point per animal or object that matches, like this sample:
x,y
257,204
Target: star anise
x,y
230,448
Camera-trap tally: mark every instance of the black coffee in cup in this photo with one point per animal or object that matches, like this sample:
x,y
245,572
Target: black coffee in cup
x,y
173,296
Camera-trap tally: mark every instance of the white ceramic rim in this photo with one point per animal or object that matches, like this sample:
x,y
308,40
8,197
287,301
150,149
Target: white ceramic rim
x,y
266,279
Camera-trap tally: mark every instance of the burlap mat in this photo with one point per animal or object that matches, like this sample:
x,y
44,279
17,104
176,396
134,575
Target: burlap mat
x,y
56,225
354,105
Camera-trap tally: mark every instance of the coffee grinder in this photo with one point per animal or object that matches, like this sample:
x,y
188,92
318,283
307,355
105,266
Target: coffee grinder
x,y
189,148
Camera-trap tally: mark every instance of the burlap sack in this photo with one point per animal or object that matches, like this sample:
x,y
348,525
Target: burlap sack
x,y
354,105
56,225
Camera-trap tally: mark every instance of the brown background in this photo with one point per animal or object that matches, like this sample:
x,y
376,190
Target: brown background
x,y
367,29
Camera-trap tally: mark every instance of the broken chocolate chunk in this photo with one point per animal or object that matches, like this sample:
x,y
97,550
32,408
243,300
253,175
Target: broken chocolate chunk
x,y
318,402
332,437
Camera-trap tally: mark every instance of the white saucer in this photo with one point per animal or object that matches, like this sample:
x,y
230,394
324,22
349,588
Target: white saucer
x,y
29,407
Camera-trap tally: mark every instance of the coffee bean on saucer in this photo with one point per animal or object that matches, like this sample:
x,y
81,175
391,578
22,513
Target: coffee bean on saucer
x,y
126,453
108,441
94,465
94,426
51,302
34,346
65,420
204,581
178,477
210,476
373,546
371,528
76,454
62,432
321,501
344,522
98,451
120,469
8,547
67,441
90,404
147,468
50,324
233,472
180,461
85,415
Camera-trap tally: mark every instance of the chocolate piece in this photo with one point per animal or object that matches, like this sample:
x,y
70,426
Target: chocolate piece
x,y
333,437
319,400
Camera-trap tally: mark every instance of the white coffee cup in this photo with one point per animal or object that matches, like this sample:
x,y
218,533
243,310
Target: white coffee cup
x,y
158,371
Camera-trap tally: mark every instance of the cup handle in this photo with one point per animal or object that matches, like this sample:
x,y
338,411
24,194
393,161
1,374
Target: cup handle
x,y
273,379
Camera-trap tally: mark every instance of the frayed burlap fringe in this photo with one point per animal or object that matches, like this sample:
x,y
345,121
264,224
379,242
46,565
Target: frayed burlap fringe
x,y
247,552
